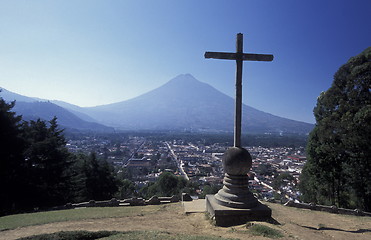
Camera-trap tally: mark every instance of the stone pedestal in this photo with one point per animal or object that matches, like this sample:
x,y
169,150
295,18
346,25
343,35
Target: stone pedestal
x,y
234,204
228,216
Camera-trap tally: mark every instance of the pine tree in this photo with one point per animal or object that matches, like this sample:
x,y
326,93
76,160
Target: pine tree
x,y
47,162
100,179
11,158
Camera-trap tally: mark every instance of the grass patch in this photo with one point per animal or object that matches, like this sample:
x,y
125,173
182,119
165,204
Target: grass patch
x,y
73,235
30,219
320,226
131,235
265,231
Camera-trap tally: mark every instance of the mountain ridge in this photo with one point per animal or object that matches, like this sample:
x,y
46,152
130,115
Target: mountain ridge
x,y
183,104
35,108
187,103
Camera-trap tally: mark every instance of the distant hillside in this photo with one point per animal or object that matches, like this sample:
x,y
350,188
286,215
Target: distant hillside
x,y
184,103
34,108
11,96
47,110
78,111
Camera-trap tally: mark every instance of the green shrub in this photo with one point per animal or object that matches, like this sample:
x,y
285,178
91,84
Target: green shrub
x,y
265,231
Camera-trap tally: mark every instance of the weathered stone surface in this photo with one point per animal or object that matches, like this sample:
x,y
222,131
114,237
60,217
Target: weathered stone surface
x,y
114,202
331,209
134,201
68,206
235,192
237,161
154,200
186,197
92,203
228,216
234,204
174,198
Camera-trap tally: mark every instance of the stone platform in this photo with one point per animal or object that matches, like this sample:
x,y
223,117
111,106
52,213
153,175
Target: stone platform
x,y
195,206
227,216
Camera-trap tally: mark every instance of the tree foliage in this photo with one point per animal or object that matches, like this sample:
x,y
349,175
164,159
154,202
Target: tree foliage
x,y
11,159
338,170
126,189
100,180
34,163
210,189
37,171
166,185
46,162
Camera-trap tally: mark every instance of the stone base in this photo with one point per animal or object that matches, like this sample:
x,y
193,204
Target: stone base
x,y
226,216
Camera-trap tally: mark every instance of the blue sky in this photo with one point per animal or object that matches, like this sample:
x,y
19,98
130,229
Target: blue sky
x,y
98,52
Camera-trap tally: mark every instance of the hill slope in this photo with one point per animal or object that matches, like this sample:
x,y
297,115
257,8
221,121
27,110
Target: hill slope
x,y
47,110
11,96
34,108
291,222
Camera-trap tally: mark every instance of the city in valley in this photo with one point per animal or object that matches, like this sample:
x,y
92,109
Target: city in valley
x,y
274,175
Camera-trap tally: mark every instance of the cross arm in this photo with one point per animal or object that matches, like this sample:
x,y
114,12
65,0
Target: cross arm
x,y
221,55
235,56
257,57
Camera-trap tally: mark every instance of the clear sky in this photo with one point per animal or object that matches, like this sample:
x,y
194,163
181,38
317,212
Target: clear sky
x,y
97,52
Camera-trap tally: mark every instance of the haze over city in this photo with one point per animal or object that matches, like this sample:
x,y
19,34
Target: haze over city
x,y
91,53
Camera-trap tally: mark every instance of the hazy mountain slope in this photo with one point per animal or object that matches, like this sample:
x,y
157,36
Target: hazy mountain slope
x,y
10,96
178,104
183,103
186,103
47,110
34,108
78,111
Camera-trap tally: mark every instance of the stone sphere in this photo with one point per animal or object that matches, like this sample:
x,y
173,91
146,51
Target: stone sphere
x,y
237,161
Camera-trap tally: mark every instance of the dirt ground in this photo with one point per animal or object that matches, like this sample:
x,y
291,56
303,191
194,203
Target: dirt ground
x,y
293,223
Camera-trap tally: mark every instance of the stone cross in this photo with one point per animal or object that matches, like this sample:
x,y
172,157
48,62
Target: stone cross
x,y
239,56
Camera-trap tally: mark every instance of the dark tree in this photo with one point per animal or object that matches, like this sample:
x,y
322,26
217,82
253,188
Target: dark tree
x,y
166,185
126,189
47,162
169,184
37,171
11,158
338,170
34,163
210,189
100,180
